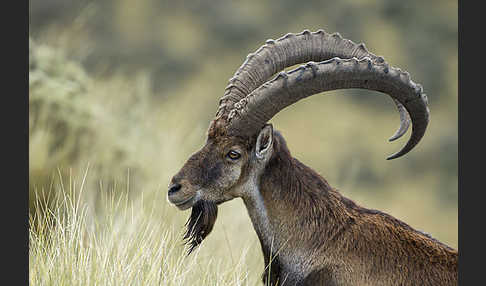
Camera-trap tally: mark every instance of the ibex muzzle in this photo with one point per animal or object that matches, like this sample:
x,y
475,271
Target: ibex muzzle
x,y
309,233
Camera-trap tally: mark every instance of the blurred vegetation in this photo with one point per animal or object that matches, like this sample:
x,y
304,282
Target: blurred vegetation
x,y
128,88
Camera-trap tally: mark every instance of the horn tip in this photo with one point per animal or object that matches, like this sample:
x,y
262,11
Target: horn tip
x,y
397,155
394,156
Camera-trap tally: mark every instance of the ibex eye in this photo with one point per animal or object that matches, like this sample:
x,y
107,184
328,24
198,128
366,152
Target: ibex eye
x,y
233,155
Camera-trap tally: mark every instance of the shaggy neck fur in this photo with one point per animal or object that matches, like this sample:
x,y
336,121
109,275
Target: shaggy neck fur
x,y
312,234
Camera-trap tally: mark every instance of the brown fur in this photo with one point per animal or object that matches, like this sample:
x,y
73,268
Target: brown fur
x,y
309,233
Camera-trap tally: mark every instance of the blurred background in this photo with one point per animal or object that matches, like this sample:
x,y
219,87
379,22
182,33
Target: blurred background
x,y
127,89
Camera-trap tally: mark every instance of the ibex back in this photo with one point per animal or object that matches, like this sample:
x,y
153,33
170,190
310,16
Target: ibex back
x,y
309,233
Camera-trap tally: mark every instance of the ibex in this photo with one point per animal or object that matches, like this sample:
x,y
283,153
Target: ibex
x,y
309,233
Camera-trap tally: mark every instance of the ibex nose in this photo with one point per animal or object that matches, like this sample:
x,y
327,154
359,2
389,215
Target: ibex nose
x,y
174,188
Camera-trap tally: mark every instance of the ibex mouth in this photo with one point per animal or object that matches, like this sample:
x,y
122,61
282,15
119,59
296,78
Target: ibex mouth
x,y
185,204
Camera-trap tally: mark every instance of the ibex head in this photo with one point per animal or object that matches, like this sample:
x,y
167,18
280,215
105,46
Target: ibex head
x,y
213,173
240,142
223,169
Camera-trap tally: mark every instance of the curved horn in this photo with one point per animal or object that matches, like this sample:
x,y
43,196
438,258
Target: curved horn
x,y
404,121
253,111
289,50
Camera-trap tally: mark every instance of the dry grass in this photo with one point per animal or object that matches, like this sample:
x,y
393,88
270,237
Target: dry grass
x,y
125,242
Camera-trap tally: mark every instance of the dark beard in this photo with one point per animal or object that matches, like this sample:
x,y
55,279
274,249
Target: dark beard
x,y
200,223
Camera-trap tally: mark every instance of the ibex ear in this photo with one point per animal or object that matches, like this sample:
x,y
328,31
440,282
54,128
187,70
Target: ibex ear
x,y
264,143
